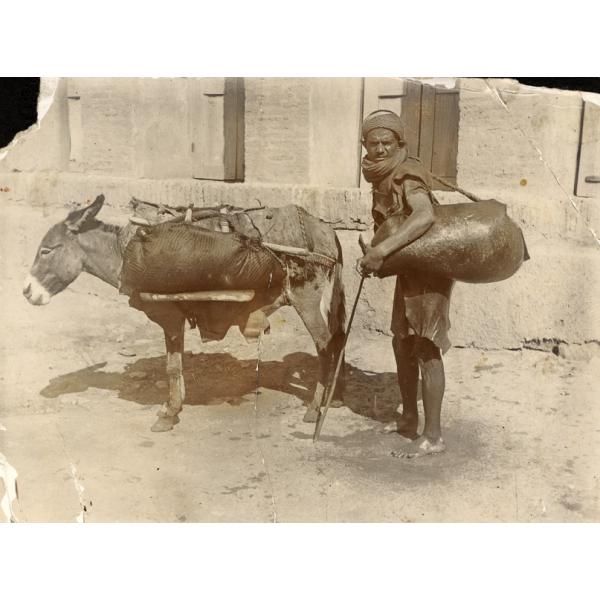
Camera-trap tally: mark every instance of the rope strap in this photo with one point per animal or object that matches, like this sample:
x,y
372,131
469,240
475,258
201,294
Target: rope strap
x,y
455,188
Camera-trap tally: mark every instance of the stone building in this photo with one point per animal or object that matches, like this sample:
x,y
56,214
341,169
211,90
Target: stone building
x,y
280,140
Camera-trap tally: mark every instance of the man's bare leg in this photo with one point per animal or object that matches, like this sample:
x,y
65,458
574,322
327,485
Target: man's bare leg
x,y
408,381
433,386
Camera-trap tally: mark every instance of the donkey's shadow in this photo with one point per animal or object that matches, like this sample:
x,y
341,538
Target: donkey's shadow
x,y
221,378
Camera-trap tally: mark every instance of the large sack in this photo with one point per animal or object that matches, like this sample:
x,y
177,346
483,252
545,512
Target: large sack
x,y
288,225
178,257
474,243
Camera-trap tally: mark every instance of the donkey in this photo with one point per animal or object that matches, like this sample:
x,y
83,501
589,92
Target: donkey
x,y
82,243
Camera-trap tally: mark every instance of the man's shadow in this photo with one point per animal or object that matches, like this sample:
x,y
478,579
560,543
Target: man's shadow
x,y
220,378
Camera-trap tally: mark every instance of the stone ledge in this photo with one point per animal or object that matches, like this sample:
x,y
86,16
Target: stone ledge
x,y
345,208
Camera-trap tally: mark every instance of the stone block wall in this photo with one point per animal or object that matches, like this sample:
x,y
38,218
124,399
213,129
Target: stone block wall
x,y
277,130
303,131
516,144
519,144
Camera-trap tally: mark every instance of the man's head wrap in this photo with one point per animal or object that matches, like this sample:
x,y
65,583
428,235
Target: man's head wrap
x,y
385,119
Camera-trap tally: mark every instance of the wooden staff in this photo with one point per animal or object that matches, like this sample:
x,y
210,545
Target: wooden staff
x,y
338,366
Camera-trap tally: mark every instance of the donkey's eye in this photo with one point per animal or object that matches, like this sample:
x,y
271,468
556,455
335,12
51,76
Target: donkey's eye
x,y
45,250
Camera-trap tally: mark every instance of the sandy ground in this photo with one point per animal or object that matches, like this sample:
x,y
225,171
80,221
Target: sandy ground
x,y
82,378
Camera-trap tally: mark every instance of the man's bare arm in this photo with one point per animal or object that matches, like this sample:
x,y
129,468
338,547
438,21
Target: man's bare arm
x,y
416,224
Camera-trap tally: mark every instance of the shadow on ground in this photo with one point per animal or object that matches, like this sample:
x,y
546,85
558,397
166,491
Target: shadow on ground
x,y
220,378
359,451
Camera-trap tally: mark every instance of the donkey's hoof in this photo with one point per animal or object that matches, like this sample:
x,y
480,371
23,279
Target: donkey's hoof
x,y
311,415
336,404
164,424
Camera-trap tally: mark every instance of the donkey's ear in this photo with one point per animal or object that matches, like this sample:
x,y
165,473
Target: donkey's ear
x,y
78,218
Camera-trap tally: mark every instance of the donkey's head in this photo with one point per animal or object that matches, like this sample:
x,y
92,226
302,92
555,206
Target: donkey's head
x,y
60,257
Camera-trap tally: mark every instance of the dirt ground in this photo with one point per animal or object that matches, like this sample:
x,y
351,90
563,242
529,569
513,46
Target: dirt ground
x,y
81,380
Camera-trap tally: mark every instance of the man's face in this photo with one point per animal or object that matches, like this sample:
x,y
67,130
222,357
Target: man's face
x,y
380,143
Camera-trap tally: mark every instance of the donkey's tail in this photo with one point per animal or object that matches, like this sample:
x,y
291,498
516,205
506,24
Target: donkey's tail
x,y
337,314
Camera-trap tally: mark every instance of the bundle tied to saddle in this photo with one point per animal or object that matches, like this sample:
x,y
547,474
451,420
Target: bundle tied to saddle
x,y
179,257
201,271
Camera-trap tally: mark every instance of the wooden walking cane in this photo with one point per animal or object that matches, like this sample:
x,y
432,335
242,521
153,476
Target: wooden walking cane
x,y
338,366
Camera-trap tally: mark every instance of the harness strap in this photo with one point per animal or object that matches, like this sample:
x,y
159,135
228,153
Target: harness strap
x,y
455,188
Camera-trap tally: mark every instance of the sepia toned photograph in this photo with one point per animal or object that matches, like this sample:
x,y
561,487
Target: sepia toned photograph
x,y
299,300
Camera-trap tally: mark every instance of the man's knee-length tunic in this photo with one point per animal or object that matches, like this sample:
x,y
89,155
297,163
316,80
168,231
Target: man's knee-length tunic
x,y
421,301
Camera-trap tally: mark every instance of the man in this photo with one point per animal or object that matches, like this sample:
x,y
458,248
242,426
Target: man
x,y
420,321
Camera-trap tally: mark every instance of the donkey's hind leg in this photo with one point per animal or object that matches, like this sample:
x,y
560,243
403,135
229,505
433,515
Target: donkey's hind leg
x,y
321,308
321,389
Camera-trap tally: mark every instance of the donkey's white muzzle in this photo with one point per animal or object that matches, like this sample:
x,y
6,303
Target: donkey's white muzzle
x,y
35,292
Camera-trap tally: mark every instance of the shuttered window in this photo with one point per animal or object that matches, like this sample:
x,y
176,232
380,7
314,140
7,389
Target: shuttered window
x,y
587,182
430,114
217,128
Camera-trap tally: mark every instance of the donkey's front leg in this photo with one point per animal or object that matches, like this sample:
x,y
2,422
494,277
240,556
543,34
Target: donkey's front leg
x,y
167,415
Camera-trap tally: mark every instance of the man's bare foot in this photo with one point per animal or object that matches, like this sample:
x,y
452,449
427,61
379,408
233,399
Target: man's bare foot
x,y
405,426
420,447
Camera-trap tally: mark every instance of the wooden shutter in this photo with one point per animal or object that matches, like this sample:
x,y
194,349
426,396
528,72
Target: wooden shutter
x,y
433,114
383,93
411,115
234,128
75,123
216,128
445,133
588,166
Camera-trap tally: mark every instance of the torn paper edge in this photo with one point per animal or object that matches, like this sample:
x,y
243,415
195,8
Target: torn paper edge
x,y
8,474
591,97
48,87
